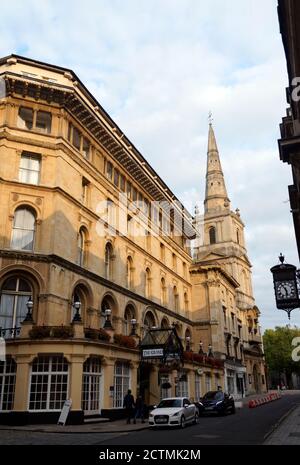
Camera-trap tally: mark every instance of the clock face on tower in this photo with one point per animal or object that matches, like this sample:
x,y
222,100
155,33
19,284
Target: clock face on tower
x,y
286,290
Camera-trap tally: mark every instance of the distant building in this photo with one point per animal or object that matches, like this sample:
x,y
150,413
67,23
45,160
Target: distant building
x,y
225,313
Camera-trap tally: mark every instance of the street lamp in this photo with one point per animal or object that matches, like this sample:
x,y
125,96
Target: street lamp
x,y
77,306
133,327
107,323
285,278
188,343
201,348
29,306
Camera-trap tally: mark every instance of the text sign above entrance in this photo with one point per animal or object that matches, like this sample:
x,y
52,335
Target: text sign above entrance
x,y
153,353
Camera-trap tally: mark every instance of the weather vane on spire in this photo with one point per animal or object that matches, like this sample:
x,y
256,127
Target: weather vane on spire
x,y
210,118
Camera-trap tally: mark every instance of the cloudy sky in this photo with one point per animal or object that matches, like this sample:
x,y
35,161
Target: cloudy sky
x,y
158,67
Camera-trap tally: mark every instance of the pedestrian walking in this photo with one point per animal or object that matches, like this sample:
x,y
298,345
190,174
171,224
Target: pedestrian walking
x,y
129,404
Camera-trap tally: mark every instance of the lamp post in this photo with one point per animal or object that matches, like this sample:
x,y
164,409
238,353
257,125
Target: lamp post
x,y
77,306
133,327
29,306
285,277
107,323
188,344
201,348
210,352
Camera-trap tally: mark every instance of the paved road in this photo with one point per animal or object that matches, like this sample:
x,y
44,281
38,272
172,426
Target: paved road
x,y
247,426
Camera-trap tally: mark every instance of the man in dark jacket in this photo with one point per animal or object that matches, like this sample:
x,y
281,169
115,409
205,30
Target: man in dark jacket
x,y
139,409
128,404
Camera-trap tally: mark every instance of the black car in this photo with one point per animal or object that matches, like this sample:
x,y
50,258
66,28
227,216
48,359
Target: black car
x,y
216,402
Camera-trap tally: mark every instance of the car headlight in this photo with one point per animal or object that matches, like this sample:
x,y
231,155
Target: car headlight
x,y
176,414
220,402
151,415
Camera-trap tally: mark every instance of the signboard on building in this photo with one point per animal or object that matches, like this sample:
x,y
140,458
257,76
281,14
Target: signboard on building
x,y
153,353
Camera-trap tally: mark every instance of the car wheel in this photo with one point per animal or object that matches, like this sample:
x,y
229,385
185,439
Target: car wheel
x,y
182,422
196,419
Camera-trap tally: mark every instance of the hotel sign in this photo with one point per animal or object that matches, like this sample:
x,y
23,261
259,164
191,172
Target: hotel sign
x,y
153,353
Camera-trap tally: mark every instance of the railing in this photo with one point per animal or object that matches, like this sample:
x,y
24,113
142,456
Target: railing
x,y
10,333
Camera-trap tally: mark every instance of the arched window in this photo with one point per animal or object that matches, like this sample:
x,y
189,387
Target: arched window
x,y
148,283
79,295
81,247
212,235
175,299
8,370
149,320
91,386
163,291
15,294
129,272
49,383
165,323
108,303
129,314
108,261
23,232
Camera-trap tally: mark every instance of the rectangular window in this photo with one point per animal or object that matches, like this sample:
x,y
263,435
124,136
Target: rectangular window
x,y
86,148
70,128
129,189
122,183
29,171
109,170
197,387
76,138
43,121
121,383
25,118
134,194
116,177
207,383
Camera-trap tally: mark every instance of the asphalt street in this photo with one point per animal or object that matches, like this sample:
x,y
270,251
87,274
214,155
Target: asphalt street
x,y
246,427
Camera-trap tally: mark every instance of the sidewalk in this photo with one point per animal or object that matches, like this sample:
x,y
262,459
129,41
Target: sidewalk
x,y
287,431
118,426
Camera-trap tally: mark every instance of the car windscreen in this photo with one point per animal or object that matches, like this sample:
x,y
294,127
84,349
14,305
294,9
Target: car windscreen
x,y
167,403
213,395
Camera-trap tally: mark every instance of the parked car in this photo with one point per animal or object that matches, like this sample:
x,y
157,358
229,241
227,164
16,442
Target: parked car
x,y
174,411
216,402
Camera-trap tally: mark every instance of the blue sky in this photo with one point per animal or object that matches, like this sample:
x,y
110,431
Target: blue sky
x,y
158,67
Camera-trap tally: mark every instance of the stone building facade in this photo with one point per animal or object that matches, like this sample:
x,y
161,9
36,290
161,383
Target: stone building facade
x,y
95,250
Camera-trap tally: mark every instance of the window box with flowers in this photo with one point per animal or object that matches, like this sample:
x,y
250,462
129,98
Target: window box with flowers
x,y
125,341
59,332
97,334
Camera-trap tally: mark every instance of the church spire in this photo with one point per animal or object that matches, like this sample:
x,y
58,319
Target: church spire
x,y
216,197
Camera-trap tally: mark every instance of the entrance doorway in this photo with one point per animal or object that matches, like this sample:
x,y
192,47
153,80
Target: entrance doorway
x,y
144,382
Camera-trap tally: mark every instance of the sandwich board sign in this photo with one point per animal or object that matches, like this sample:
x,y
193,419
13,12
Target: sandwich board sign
x,y
64,412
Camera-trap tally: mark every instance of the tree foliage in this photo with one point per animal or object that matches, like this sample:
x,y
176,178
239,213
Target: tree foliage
x,y
278,350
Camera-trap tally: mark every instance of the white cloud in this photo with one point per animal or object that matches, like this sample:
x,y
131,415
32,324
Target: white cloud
x,y
158,68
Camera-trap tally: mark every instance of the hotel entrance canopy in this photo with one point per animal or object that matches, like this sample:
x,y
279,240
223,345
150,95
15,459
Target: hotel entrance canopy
x,y
162,345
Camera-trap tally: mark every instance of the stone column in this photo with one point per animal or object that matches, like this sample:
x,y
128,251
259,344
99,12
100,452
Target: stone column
x,y
22,383
75,380
154,387
107,381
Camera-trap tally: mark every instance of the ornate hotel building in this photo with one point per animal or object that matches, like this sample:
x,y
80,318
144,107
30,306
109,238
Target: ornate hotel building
x,y
95,252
